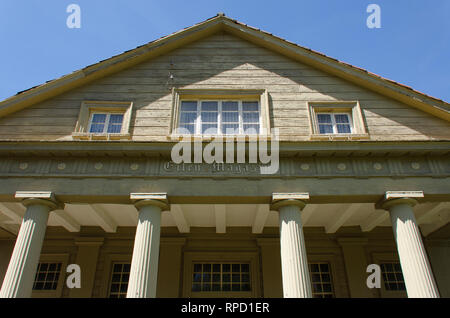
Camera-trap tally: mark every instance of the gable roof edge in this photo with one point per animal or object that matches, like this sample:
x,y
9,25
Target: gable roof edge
x,y
358,76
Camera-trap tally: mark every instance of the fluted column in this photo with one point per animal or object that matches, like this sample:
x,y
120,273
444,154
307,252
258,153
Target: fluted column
x,y
294,263
144,263
419,279
19,278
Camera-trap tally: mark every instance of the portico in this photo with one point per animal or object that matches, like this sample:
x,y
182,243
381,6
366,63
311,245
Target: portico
x,y
184,213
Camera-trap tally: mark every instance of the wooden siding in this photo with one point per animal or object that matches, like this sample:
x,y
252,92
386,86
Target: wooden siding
x,y
218,62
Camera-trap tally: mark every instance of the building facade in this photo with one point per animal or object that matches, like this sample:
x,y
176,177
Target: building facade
x,y
357,173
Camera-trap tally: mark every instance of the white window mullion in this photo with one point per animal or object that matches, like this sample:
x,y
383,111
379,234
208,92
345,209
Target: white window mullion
x,y
105,129
241,118
198,121
333,121
219,117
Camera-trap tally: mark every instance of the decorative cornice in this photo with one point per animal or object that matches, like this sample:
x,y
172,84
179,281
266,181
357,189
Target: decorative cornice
x,y
304,167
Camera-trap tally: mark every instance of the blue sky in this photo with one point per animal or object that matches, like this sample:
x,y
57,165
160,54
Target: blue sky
x,y
411,47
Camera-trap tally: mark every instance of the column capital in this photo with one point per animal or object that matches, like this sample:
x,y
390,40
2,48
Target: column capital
x,y
392,198
46,198
284,199
156,199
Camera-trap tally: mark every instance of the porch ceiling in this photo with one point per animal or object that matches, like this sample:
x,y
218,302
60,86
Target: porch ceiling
x,y
429,216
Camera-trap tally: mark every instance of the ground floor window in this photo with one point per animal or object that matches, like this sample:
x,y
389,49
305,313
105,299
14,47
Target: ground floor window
x,y
322,286
120,275
221,277
392,276
47,276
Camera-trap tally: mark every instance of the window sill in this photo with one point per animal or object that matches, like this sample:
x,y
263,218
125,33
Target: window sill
x,y
339,136
224,137
92,136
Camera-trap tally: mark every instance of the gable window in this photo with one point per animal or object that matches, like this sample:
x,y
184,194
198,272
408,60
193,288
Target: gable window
x,y
336,120
105,123
334,123
102,120
224,112
219,117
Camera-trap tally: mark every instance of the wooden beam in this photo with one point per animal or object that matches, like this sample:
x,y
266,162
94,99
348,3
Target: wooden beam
x,y
342,217
65,220
12,211
379,217
262,212
308,211
431,213
427,229
179,218
220,212
102,218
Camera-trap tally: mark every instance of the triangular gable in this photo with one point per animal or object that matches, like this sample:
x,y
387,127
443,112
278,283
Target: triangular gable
x,y
211,26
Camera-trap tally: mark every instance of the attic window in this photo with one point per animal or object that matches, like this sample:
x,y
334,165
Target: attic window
x,y
208,113
336,121
219,117
110,123
103,121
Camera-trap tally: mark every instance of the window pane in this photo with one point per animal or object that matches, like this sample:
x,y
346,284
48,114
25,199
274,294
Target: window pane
x,y
230,129
116,119
113,129
251,117
251,129
209,106
341,119
188,106
213,278
209,117
326,129
230,117
97,128
186,129
324,118
321,280
250,106
343,128
47,276
187,117
119,280
99,118
230,106
209,129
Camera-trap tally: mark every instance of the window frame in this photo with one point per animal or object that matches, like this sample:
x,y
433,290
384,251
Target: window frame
x,y
251,258
333,121
330,272
220,95
388,257
198,121
107,122
88,108
110,259
337,268
53,258
351,108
